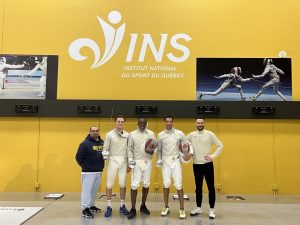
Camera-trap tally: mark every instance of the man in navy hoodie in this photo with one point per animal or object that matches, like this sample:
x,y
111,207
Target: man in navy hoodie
x,y
89,157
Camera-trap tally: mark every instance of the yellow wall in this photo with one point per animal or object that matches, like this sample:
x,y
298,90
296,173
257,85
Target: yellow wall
x,y
218,28
40,151
257,154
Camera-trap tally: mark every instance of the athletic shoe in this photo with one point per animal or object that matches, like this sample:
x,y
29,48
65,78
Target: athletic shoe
x,y
165,211
131,214
87,213
95,209
200,96
108,212
124,211
182,214
144,210
253,98
211,214
196,211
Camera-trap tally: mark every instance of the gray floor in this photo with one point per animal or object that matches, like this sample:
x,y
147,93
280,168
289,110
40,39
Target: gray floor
x,y
253,210
21,88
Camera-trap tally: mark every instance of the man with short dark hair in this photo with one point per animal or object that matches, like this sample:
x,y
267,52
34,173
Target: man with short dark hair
x,y
168,156
89,157
116,146
141,158
203,167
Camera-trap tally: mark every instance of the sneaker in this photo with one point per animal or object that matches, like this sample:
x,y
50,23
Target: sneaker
x,y
108,212
182,214
131,214
253,98
196,211
212,214
165,211
144,210
87,213
124,211
95,209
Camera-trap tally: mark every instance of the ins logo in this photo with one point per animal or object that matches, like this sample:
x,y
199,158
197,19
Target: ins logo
x,y
113,38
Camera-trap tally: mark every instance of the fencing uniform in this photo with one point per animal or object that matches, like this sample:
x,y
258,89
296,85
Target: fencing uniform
x,y
168,152
116,144
136,151
274,81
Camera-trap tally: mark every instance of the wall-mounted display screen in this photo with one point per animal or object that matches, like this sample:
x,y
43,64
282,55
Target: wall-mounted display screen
x,y
27,76
244,79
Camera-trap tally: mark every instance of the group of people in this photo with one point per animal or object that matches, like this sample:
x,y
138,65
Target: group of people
x,y
133,152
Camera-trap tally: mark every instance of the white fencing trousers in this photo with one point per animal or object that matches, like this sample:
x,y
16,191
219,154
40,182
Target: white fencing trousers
x,y
141,173
116,164
43,83
172,168
90,184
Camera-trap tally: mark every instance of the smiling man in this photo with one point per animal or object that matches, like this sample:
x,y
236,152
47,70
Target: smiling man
x,y
89,157
168,155
141,157
203,166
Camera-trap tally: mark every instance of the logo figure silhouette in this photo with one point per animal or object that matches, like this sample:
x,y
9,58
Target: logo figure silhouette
x,y
112,37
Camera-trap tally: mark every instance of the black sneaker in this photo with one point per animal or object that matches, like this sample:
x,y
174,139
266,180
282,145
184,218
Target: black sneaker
x,y
87,213
131,214
95,209
144,210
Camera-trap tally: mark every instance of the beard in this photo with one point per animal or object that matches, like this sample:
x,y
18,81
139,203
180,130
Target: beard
x,y
200,128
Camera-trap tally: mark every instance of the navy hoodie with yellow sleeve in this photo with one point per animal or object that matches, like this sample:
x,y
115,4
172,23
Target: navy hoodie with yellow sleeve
x,y
89,155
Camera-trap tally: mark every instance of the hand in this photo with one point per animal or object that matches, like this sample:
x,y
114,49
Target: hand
x,y
159,163
208,158
216,77
128,169
187,157
131,164
105,154
149,151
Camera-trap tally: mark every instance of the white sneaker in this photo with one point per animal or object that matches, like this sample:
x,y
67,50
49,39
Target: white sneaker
x,y
196,211
182,214
212,214
165,211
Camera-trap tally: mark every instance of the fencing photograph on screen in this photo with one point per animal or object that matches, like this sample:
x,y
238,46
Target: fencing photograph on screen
x,y
24,76
244,79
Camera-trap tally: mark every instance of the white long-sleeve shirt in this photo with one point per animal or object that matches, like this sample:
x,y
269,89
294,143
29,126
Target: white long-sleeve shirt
x,y
168,143
202,142
116,143
136,144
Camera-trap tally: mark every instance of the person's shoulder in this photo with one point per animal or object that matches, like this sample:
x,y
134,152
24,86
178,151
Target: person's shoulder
x,y
133,132
161,133
150,132
110,132
180,132
84,143
209,132
191,133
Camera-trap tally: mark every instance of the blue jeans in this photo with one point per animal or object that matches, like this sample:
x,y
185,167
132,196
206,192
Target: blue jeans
x,y
90,185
